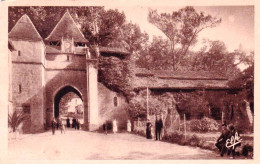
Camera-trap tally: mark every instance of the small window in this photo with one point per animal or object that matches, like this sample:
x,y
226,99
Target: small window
x,y
115,101
19,53
20,88
68,58
26,109
54,43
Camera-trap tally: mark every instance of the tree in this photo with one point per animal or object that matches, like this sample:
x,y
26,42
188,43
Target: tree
x,y
182,28
215,57
156,55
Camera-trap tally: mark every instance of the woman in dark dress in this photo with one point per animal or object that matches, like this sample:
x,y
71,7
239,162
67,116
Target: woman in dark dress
x,y
148,129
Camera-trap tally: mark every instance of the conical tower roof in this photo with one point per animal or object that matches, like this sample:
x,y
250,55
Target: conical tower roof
x,y
66,28
24,29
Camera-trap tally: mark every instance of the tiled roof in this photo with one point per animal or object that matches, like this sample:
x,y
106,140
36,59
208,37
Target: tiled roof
x,y
24,29
168,74
66,28
11,46
178,80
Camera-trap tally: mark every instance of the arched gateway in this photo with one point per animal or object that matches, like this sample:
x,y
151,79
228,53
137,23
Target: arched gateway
x,y
62,92
43,70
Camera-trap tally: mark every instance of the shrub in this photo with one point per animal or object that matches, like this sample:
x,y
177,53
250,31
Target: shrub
x,y
15,119
194,140
175,137
204,125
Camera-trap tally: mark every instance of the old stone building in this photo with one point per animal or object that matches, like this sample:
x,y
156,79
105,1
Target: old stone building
x,y
42,71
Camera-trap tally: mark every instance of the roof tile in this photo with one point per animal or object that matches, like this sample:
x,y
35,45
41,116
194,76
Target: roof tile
x,y
66,28
24,29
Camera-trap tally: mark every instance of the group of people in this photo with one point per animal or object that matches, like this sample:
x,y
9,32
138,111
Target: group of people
x,y
114,126
75,123
57,123
228,141
158,128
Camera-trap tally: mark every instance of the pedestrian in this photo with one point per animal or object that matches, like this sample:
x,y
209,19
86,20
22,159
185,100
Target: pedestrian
x,y
221,141
62,127
158,128
74,123
77,124
53,126
128,126
58,123
233,141
148,129
114,126
68,122
105,127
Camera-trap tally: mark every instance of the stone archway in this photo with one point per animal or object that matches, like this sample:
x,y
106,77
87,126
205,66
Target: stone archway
x,y
63,91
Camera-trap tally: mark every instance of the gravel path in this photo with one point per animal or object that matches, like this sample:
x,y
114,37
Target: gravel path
x,y
88,145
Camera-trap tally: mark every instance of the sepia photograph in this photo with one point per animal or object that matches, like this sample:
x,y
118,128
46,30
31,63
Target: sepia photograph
x,y
131,82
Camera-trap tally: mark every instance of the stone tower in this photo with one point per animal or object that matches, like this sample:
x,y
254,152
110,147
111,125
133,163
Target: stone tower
x,y
28,80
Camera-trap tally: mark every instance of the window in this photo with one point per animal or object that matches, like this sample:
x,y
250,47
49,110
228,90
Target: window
x,y
115,101
20,88
26,109
19,53
54,43
68,58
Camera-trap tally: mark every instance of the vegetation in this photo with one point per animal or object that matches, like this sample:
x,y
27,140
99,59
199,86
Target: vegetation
x,y
181,28
15,119
109,28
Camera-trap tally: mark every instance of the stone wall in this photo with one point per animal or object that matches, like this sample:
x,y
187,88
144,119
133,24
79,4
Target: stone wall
x,y
27,83
57,80
65,61
28,51
107,109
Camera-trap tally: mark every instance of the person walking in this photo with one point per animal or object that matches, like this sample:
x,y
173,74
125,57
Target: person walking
x,y
62,127
148,129
68,122
53,126
77,124
105,127
74,123
128,126
221,141
158,128
58,123
115,126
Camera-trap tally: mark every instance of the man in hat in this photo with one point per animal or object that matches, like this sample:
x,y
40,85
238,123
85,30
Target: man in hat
x,y
158,127
233,140
53,125
221,141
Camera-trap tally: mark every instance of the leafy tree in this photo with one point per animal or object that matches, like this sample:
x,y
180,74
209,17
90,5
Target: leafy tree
x,y
182,28
215,57
131,38
156,55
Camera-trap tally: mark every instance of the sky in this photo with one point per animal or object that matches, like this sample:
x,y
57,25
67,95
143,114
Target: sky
x,y
236,28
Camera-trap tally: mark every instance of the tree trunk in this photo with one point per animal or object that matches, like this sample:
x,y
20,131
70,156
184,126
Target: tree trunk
x,y
173,55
